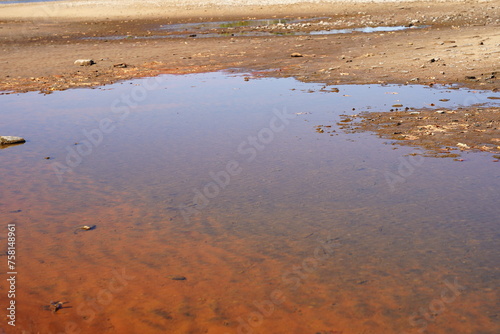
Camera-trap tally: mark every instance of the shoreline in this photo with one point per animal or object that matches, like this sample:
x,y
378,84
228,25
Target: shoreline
x,y
451,46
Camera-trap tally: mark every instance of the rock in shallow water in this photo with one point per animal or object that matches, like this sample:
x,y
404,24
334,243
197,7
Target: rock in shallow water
x,y
8,140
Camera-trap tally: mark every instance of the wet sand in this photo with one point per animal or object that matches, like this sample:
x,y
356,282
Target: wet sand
x,y
443,132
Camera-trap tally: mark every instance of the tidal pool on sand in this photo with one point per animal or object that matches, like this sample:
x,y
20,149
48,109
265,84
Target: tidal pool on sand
x,y
199,30
219,209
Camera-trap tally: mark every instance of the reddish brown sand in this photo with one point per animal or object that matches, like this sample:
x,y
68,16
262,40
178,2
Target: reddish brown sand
x,y
224,279
358,283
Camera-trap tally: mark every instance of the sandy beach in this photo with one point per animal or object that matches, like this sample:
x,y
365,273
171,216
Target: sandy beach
x,y
451,44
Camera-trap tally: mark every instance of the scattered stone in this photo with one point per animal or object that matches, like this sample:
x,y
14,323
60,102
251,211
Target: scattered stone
x,y
470,77
9,140
84,62
411,137
437,131
85,228
177,278
47,158
54,306
296,54
120,65
397,105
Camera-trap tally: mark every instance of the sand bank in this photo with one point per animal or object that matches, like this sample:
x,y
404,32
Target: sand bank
x,y
119,9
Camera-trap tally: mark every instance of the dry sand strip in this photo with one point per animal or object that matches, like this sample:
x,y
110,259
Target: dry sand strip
x,y
120,9
115,9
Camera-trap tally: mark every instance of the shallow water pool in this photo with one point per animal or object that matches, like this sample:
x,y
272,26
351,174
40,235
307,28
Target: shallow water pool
x,y
219,209
219,29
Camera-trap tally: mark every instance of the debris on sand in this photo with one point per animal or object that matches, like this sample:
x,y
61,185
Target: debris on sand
x,y
54,306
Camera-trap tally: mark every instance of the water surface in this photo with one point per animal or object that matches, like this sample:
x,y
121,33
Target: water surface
x,y
295,231
200,30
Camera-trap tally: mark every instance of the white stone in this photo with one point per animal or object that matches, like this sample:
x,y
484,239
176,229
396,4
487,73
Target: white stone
x,y
84,62
7,140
